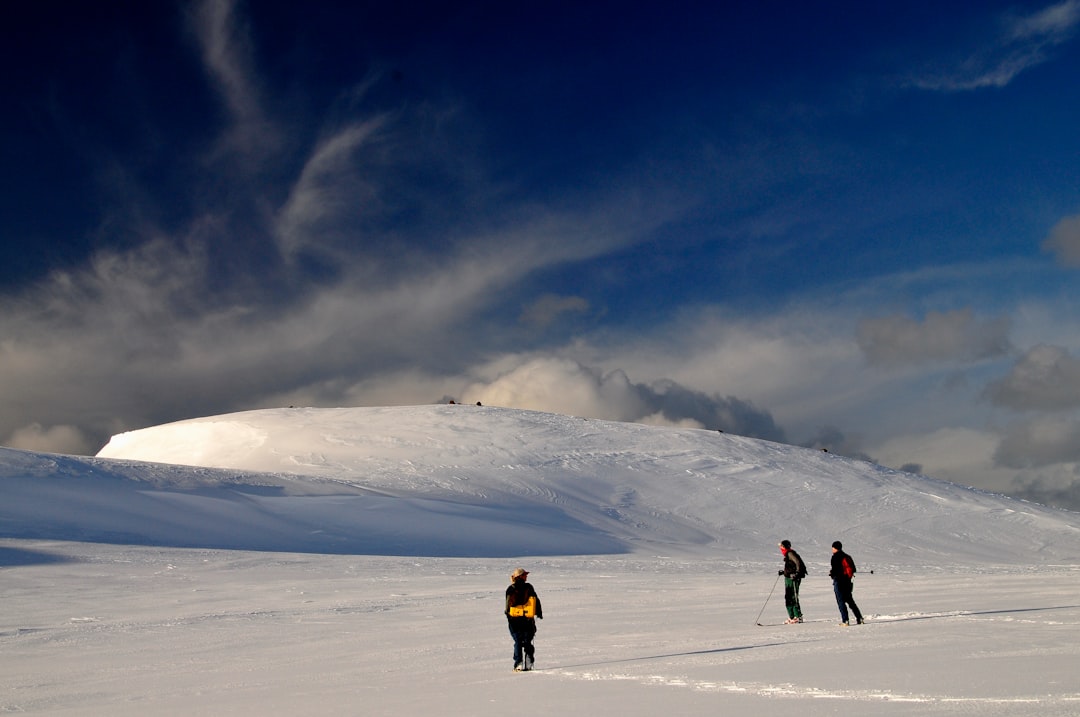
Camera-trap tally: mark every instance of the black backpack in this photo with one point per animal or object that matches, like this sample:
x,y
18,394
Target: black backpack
x,y
801,563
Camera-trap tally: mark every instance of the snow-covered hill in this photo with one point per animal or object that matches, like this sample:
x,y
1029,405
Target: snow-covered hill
x,y
457,480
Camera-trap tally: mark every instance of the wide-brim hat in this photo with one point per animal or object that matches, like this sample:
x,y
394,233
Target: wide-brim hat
x,y
519,573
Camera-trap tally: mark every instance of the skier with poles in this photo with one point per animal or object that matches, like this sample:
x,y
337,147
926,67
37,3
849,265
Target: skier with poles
x,y
843,570
794,571
522,611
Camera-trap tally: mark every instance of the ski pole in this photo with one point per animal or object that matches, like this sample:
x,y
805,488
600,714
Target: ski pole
x,y
775,582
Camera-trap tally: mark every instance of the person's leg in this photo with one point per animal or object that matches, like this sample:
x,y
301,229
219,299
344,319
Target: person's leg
x,y
854,607
850,600
516,634
528,647
798,608
838,591
791,598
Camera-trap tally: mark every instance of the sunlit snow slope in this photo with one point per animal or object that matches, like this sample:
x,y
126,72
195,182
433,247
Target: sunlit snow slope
x,y
453,480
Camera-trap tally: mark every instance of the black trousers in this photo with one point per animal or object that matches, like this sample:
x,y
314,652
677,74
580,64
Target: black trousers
x,y
842,589
522,629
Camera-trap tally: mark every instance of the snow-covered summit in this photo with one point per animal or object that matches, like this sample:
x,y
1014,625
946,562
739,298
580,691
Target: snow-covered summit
x,y
480,481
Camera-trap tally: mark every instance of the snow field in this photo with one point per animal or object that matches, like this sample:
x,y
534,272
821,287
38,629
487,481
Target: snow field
x,y
136,630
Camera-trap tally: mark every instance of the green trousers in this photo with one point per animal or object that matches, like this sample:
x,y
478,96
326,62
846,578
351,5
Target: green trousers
x,y
791,596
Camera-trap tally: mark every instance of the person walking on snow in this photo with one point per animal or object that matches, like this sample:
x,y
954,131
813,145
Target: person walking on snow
x,y
522,612
843,570
794,571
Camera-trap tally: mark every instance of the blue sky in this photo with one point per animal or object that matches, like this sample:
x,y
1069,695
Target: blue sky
x,y
857,228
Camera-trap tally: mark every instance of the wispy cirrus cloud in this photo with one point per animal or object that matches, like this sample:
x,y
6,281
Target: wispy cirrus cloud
x,y
1020,43
226,50
329,185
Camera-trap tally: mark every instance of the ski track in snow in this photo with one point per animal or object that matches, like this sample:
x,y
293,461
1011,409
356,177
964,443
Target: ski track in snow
x,y
791,691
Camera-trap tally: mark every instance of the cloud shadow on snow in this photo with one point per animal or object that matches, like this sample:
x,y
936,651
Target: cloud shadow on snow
x,y
51,497
22,557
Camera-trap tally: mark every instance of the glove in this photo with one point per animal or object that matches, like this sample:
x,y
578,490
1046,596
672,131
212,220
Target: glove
x,y
779,572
